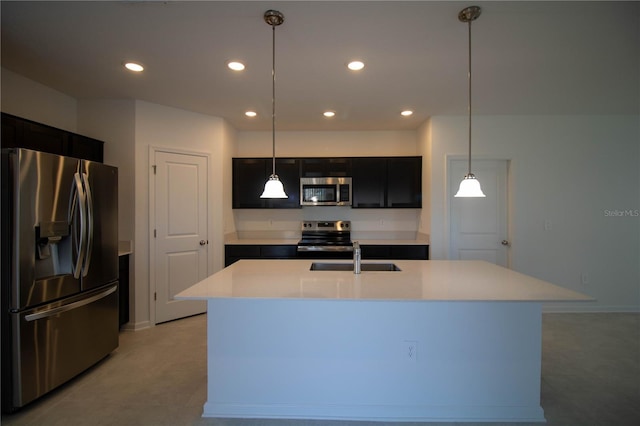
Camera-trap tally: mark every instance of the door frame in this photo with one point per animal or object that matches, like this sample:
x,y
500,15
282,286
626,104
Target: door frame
x,y
449,158
152,219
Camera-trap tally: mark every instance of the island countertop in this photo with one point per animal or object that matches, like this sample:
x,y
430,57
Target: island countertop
x,y
418,280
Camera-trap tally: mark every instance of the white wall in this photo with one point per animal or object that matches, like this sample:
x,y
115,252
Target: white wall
x,y
161,126
113,121
229,136
327,144
27,99
424,149
569,170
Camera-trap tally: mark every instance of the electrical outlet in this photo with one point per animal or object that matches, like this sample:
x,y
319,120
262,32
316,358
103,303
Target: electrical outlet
x,y
584,278
410,350
548,226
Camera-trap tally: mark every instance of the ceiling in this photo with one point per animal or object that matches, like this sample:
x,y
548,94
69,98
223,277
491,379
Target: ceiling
x,y
528,58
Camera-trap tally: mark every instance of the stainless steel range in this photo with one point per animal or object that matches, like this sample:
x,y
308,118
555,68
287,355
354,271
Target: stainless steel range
x,y
326,238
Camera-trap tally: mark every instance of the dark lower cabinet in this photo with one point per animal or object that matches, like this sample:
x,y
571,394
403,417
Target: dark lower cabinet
x,y
19,132
399,252
123,289
235,252
285,251
412,252
375,252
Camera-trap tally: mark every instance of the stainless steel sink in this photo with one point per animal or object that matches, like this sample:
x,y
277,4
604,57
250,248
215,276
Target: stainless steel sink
x,y
317,266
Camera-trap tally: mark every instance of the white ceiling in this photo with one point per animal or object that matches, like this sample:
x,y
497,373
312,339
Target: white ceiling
x,y
528,57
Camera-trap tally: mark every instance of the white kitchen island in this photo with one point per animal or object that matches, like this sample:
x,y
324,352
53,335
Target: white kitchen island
x,y
436,341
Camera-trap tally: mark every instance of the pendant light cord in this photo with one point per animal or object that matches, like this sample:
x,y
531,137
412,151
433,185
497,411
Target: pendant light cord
x,y
469,77
273,99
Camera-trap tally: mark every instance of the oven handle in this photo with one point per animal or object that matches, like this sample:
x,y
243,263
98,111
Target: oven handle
x,y
325,248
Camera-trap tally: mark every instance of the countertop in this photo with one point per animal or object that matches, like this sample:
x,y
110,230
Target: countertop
x,y
125,248
294,242
418,280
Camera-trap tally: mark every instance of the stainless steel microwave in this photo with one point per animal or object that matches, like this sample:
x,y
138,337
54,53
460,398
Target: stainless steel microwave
x,y
325,191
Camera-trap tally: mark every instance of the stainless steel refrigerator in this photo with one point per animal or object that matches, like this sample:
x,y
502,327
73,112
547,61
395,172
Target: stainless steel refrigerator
x,y
59,270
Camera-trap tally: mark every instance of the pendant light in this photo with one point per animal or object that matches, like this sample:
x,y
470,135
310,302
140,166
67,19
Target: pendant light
x,y
470,186
273,188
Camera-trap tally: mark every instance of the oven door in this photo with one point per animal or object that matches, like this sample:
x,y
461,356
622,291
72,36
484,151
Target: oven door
x,y
327,251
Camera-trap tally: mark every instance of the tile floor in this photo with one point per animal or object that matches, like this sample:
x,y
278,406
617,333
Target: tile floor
x,y
590,377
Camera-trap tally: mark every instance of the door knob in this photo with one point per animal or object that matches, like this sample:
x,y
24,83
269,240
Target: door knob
x,y
203,242
505,243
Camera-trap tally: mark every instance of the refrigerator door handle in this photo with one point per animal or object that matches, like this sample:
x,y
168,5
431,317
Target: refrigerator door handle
x,y
78,200
89,229
65,308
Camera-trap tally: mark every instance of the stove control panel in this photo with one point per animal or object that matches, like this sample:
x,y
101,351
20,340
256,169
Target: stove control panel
x,y
320,225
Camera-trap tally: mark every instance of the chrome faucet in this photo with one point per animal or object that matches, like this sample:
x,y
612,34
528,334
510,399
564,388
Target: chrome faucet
x,y
357,257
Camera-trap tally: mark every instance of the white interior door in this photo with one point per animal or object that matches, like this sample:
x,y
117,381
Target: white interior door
x,y
181,234
479,226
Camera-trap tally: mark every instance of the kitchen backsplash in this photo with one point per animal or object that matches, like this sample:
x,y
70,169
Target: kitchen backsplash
x,y
365,224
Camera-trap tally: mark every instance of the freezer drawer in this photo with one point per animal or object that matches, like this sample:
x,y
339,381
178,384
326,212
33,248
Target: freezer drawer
x,y
52,344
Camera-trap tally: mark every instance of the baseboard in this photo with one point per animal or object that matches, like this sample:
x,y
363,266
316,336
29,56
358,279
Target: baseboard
x,y
136,327
576,308
378,412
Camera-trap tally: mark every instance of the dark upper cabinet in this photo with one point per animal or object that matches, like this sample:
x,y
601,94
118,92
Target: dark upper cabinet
x,y
369,182
404,182
326,167
86,148
250,175
44,138
22,133
11,131
378,182
390,182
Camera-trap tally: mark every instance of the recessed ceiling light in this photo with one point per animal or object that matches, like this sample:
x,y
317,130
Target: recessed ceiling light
x,y
235,65
133,66
250,113
329,114
406,113
355,65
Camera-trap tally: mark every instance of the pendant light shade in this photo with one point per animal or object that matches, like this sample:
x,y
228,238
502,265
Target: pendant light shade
x,y
273,188
470,186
